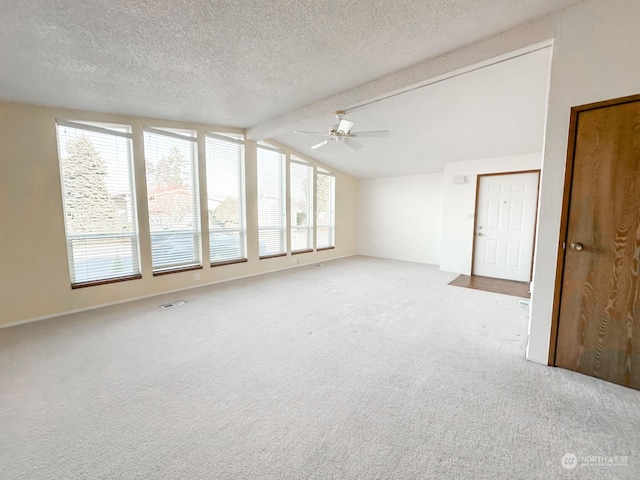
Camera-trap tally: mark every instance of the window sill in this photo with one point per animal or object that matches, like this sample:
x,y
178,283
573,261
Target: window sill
x,y
275,255
177,270
95,283
228,262
298,252
325,248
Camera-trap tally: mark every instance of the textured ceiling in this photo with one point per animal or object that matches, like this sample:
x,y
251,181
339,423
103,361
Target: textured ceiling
x,y
228,63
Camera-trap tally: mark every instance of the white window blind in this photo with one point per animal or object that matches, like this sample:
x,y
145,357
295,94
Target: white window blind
x,y
272,220
301,192
326,210
96,165
226,199
172,188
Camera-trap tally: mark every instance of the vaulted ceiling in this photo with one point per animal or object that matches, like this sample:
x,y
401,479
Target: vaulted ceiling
x,y
248,64
494,111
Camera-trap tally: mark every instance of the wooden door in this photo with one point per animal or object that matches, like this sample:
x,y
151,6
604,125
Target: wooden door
x,y
598,330
506,208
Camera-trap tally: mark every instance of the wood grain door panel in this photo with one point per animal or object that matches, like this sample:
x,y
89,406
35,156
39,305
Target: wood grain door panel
x,y
598,325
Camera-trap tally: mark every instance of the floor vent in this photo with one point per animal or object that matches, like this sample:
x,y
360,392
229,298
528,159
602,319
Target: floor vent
x,y
173,304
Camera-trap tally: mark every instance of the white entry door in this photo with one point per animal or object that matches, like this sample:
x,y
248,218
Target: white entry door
x,y
505,222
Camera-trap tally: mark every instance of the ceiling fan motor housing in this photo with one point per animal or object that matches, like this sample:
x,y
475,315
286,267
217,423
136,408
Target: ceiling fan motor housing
x,y
341,132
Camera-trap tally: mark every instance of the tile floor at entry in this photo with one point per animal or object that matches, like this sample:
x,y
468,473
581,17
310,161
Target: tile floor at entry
x,y
496,285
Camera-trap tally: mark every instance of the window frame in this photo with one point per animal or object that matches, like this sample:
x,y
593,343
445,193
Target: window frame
x,y
242,198
116,130
190,135
310,207
282,227
331,225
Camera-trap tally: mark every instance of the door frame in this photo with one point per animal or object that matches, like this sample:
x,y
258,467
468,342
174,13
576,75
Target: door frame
x,y
564,218
535,217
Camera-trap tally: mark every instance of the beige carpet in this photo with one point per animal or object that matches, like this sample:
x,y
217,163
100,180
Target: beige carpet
x,y
359,368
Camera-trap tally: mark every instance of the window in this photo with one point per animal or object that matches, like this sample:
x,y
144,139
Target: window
x,y
226,199
172,188
301,190
326,210
272,220
96,165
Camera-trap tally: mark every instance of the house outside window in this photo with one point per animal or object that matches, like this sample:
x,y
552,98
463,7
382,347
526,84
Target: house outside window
x,y
173,196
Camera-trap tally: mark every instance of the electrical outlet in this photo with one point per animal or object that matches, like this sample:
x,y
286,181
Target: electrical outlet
x,y
296,260
197,276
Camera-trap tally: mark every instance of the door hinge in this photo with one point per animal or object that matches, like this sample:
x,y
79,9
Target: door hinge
x,y
564,245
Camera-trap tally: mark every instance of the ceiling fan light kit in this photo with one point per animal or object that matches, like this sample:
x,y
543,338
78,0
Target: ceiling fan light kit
x,y
341,133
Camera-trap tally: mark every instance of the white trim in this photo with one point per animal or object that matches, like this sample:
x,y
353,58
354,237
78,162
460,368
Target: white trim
x,y
158,131
459,72
224,138
151,295
534,358
92,128
272,149
300,162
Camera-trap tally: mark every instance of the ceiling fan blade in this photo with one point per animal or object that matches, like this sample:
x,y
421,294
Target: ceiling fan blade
x,y
372,133
345,126
318,145
312,133
353,144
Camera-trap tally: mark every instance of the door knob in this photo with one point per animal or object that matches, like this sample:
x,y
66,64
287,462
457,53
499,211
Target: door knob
x,y
480,234
577,246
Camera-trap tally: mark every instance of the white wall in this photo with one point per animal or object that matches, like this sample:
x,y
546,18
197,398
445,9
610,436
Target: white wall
x,y
401,218
460,202
596,57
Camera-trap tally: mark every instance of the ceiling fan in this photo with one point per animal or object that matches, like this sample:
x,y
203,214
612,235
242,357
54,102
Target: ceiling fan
x,y
342,133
